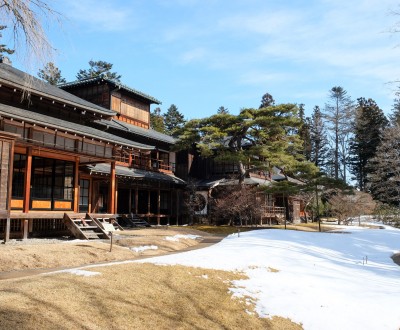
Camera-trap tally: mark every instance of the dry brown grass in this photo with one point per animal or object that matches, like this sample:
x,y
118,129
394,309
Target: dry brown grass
x,y
125,296
221,230
129,296
304,227
76,253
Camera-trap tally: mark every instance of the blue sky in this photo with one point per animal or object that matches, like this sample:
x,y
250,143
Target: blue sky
x,y
200,55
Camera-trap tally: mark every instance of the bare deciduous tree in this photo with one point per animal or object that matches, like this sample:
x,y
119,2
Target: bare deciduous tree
x,y
236,205
341,206
25,19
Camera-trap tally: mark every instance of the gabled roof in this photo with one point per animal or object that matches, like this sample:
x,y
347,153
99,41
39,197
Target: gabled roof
x,y
148,133
111,82
134,173
63,125
23,81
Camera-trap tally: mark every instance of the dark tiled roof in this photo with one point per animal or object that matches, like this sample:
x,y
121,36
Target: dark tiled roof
x,y
114,83
135,173
148,133
63,125
12,76
213,182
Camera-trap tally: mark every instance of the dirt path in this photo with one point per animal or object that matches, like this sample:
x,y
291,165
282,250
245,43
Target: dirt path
x,y
205,242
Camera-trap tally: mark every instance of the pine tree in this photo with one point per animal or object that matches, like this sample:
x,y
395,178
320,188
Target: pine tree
x,y
385,168
266,101
304,132
395,115
339,116
98,68
51,74
319,140
266,137
369,124
222,110
173,120
157,120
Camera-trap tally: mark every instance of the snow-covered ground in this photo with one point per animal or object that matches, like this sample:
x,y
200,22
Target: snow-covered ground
x,y
343,280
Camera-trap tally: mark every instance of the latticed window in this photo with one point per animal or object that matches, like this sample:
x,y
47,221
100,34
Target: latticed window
x,y
52,180
18,176
84,195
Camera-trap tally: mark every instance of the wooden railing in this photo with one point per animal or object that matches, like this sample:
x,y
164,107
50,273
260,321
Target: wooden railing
x,y
271,211
152,164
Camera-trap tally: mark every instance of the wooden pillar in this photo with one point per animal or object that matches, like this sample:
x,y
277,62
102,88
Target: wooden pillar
x,y
177,207
116,196
76,186
9,188
112,188
28,175
136,200
148,202
8,229
130,160
25,227
130,201
158,205
27,192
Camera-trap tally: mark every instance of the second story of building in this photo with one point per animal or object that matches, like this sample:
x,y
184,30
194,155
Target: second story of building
x,y
52,119
131,106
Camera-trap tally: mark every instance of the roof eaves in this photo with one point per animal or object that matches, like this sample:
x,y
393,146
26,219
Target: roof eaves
x,y
78,128
114,83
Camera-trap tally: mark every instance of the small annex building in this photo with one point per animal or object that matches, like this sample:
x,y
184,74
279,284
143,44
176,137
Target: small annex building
x,y
85,147
209,176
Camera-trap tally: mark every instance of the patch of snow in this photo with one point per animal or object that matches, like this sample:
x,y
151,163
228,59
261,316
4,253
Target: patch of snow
x,y
143,248
342,280
79,272
176,238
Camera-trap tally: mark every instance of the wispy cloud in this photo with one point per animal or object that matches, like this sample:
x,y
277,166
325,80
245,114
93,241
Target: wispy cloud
x,y
192,55
99,15
264,78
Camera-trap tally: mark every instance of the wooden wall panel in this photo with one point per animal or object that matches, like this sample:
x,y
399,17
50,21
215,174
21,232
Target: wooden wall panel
x,y
62,205
17,203
36,204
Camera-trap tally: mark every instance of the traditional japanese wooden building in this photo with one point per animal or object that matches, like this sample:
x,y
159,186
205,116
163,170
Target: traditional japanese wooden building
x,y
68,154
211,176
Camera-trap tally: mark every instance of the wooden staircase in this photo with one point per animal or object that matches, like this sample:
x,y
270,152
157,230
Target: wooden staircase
x,y
108,222
133,221
82,226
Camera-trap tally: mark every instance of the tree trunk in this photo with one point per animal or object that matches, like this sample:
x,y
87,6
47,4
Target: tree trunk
x,y
242,173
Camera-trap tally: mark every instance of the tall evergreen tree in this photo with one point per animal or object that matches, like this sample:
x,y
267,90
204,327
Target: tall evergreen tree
x,y
304,132
266,101
318,139
338,115
51,74
385,168
173,120
98,68
368,126
157,120
395,115
222,110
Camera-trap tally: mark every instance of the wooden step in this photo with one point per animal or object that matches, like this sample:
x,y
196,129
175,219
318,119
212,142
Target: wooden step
x,y
83,227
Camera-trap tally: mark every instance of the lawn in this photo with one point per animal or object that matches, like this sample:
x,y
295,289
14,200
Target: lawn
x,y
123,296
